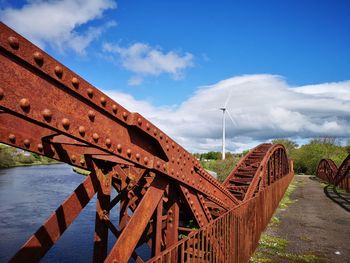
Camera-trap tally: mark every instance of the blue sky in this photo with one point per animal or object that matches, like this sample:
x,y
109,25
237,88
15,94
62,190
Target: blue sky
x,y
155,55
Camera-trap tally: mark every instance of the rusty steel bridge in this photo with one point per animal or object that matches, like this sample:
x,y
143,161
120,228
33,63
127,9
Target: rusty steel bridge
x,y
49,110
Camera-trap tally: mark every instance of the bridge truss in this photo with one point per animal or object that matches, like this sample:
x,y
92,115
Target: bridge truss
x,y
47,109
328,171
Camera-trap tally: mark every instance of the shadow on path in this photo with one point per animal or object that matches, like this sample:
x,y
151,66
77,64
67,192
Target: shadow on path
x,y
341,198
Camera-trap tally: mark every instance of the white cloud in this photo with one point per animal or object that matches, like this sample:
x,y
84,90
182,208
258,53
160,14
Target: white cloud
x,y
263,107
55,22
144,60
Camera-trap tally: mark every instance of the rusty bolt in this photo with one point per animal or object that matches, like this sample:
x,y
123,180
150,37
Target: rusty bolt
x,y
82,130
119,147
90,92
75,82
1,93
128,152
91,115
58,71
108,142
103,101
14,43
95,136
139,121
114,108
12,138
40,147
24,104
138,156
125,115
26,143
47,114
65,123
145,160
38,58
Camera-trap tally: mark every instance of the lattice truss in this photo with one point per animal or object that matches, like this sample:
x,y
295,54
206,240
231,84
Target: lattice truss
x,y
160,187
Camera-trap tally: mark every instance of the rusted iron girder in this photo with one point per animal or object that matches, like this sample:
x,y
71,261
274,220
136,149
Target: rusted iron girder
x,y
47,109
327,171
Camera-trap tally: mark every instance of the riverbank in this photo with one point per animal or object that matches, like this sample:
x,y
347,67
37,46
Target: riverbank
x,y
31,164
308,227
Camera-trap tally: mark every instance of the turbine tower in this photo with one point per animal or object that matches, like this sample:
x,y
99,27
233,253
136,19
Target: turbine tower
x,y
224,110
223,131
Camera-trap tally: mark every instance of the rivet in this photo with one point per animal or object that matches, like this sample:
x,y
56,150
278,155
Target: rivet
x,y
191,202
82,130
91,115
155,132
12,138
161,135
40,147
178,149
172,171
128,152
178,161
194,210
164,167
108,142
145,160
95,136
138,156
13,41
172,159
114,108
183,176
38,58
125,115
73,158
75,82
47,114
166,140
173,144
186,191
90,92
82,161
26,143
139,121
158,164
24,104
1,93
103,101
148,126
167,147
170,220
119,147
65,123
58,71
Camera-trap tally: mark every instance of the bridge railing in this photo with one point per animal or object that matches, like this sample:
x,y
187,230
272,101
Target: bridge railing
x,y
238,230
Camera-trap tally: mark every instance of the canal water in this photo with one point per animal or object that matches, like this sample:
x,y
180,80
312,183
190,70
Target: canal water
x,y
28,196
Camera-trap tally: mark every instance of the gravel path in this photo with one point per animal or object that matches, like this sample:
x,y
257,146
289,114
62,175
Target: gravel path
x,y
316,223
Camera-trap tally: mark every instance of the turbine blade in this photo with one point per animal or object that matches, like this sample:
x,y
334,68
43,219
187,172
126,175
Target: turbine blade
x,y
228,98
233,121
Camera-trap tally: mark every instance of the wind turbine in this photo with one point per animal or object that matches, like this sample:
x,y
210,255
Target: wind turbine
x,y
224,110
